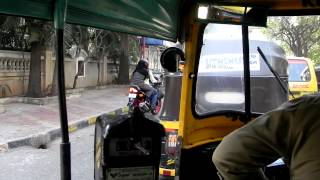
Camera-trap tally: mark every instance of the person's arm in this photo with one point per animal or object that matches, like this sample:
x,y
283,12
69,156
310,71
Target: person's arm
x,y
243,153
151,77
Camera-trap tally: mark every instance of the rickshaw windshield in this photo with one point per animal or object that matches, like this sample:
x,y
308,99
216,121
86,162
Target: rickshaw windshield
x,y
220,79
299,71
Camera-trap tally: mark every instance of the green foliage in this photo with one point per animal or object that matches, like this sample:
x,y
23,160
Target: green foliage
x,y
103,43
100,44
299,36
17,33
315,53
134,52
12,33
40,31
108,43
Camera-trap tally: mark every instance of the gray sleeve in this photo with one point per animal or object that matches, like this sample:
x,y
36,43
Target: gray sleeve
x,y
291,131
242,153
152,79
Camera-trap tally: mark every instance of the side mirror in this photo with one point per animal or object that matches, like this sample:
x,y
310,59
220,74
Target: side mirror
x,y
170,58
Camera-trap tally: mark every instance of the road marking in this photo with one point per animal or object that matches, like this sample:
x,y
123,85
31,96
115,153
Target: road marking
x,y
72,129
125,109
92,120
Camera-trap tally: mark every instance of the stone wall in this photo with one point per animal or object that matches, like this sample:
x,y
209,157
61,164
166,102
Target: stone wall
x,y
15,65
89,79
14,72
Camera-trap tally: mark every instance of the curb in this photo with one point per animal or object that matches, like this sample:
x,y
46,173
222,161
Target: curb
x,y
41,140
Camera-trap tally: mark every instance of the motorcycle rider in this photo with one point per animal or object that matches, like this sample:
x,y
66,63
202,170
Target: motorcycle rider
x,y
140,77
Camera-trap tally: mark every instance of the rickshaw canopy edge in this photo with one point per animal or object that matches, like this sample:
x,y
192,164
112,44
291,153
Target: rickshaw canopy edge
x,y
150,18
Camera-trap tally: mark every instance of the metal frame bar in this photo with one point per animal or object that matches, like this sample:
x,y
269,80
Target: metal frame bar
x,y
65,153
246,67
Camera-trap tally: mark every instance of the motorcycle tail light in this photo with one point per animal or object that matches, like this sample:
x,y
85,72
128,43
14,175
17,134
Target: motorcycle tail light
x,y
133,90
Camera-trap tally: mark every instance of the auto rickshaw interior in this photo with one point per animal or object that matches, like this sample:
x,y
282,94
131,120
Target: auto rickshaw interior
x,y
216,98
231,76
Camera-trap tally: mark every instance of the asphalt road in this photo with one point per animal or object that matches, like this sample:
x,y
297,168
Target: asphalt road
x,y
27,163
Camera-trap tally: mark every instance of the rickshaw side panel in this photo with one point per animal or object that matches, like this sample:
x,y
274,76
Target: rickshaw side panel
x,y
171,101
128,145
169,119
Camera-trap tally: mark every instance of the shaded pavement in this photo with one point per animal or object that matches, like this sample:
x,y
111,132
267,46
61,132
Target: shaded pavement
x,y
29,124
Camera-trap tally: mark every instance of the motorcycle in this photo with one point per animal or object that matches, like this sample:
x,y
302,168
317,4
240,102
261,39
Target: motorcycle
x,y
138,99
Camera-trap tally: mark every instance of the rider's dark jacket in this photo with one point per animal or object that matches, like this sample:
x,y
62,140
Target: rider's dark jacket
x,y
139,75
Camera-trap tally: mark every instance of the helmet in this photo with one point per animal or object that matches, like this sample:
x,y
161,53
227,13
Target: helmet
x,y
143,64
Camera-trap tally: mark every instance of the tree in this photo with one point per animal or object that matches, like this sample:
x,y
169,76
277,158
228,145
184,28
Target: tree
x,y
300,35
41,35
123,77
118,47
103,44
13,31
315,52
97,43
77,37
128,51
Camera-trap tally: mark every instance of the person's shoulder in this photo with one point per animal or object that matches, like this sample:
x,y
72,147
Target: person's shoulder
x,y
306,100
309,98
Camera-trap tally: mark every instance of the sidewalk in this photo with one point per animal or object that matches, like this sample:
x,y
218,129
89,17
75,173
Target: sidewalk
x,y
36,125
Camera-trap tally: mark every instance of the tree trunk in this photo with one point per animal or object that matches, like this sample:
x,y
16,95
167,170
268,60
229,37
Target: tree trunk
x,y
54,85
3,19
75,80
124,60
83,45
34,85
84,38
76,77
99,73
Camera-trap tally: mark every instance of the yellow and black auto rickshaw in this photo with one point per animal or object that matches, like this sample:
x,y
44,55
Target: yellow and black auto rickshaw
x,y
219,85
302,77
204,117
